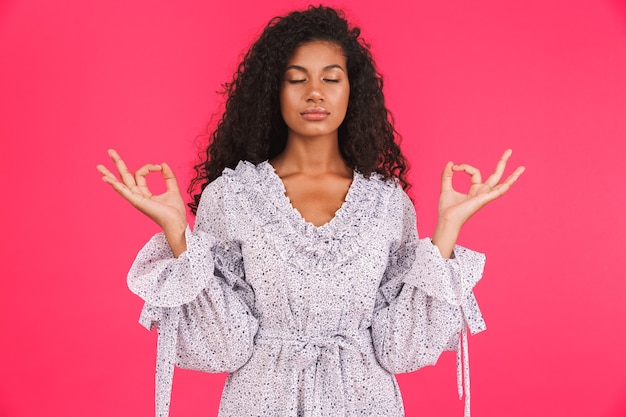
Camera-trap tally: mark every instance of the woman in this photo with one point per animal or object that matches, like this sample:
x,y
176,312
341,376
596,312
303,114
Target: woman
x,y
304,277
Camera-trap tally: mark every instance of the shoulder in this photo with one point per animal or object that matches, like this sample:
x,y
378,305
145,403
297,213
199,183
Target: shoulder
x,y
224,198
236,187
244,173
399,210
220,189
376,181
389,189
382,198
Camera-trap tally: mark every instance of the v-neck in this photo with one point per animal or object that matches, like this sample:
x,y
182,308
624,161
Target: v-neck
x,y
295,213
259,189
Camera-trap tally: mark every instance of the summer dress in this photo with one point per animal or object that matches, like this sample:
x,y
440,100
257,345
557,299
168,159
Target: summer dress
x,y
308,321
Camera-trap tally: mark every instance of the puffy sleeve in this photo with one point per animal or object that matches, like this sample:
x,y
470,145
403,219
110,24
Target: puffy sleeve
x,y
425,302
200,302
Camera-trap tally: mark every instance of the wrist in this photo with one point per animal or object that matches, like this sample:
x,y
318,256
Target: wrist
x,y
446,226
175,234
445,237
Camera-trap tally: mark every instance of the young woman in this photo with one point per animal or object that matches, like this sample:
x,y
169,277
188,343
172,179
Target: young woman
x,y
304,276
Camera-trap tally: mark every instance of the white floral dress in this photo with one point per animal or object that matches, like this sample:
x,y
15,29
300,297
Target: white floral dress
x,y
308,321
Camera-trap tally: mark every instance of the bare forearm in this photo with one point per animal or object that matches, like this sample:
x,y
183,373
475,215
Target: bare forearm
x,y
445,237
175,235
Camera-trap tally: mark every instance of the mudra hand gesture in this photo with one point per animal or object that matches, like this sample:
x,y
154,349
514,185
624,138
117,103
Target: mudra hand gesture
x,y
455,208
167,209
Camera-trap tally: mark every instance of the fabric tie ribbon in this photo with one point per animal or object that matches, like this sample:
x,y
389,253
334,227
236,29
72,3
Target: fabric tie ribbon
x,y
305,351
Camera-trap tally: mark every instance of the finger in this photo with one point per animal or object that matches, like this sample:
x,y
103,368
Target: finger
x,y
476,178
500,189
134,198
495,178
118,186
170,179
107,176
104,171
515,175
446,177
125,175
140,177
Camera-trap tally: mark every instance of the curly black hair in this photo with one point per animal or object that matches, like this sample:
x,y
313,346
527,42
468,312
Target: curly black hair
x,y
252,128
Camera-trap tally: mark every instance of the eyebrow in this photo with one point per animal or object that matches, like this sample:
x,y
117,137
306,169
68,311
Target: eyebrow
x,y
326,68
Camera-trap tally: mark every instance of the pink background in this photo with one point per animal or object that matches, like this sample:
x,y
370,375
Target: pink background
x,y
464,79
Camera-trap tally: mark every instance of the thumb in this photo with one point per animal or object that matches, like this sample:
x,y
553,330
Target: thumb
x,y
171,184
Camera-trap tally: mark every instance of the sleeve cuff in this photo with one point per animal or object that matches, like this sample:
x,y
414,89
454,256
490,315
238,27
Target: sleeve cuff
x,y
164,281
450,280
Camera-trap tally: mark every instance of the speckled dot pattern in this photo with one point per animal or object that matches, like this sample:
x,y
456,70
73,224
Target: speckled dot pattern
x,y
308,321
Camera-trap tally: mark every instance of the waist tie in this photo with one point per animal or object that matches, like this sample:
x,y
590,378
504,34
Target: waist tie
x,y
304,351
308,348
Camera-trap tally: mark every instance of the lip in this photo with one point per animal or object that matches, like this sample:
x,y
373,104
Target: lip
x,y
315,113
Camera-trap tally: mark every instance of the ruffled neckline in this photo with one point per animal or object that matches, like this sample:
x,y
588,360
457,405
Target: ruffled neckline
x,y
261,192
279,187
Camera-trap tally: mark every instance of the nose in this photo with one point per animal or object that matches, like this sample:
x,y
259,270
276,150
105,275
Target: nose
x,y
314,93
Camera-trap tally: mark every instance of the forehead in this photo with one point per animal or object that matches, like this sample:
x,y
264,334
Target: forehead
x,y
318,54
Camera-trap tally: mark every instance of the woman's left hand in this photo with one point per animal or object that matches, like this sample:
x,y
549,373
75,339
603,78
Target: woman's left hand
x,y
455,208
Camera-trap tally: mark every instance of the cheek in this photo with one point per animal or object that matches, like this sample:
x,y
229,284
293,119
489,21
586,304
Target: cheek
x,y
286,100
346,97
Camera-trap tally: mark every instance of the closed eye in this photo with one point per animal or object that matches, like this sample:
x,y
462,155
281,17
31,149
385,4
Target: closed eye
x,y
331,80
296,81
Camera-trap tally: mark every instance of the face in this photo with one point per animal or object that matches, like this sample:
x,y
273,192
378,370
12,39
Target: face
x,y
315,90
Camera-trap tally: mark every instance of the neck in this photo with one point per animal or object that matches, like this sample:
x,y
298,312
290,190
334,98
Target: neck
x,y
311,156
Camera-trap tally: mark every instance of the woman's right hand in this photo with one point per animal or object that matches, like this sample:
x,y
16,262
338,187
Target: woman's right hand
x,y
167,209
